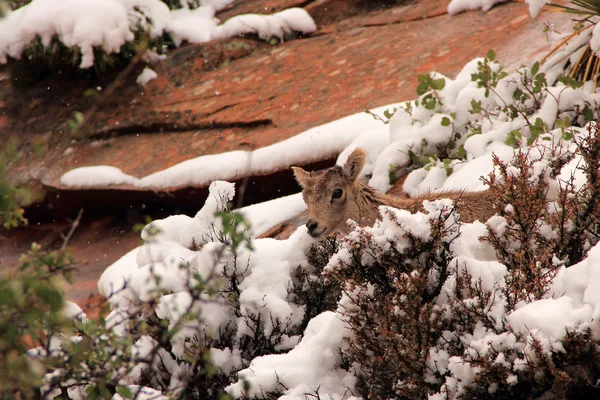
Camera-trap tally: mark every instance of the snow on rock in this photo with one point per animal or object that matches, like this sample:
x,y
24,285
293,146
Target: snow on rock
x,y
266,215
315,143
458,6
146,76
312,365
226,166
312,145
267,26
194,26
200,25
297,19
101,175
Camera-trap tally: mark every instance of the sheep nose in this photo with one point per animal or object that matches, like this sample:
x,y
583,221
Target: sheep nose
x,y
312,225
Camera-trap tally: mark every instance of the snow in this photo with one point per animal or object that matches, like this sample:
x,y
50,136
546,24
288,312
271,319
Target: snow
x,y
227,360
312,145
110,24
267,26
74,312
113,281
194,26
100,175
535,6
146,76
81,23
595,40
268,214
458,6
185,230
549,318
311,365
142,393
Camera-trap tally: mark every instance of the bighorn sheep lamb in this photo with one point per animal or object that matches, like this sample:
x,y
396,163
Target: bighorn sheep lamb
x,y
335,195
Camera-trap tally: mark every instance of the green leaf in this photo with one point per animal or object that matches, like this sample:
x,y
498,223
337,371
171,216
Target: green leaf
x,y
587,113
389,114
439,84
535,68
517,94
475,107
429,102
570,82
78,117
563,123
124,392
90,92
567,134
422,88
513,138
491,55
445,121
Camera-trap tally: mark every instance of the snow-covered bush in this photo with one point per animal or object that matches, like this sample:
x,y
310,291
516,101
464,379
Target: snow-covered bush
x,y
392,275
183,323
428,319
484,110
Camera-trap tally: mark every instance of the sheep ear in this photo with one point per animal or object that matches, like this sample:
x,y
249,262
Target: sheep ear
x,y
302,177
355,163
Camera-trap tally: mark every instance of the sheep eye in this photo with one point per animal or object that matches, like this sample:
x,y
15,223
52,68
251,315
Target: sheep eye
x,y
337,193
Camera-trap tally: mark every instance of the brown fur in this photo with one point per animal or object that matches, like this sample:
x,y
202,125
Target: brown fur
x,y
359,202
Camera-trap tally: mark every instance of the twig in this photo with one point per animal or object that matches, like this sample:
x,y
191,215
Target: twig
x,y
375,116
74,226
